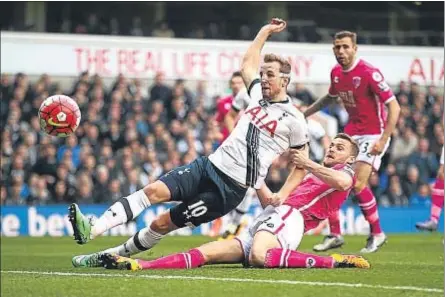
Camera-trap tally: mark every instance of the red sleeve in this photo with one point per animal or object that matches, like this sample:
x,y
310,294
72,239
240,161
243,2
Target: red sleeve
x,y
379,86
334,80
220,111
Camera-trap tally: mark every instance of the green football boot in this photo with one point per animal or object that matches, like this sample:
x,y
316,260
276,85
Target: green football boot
x,y
81,224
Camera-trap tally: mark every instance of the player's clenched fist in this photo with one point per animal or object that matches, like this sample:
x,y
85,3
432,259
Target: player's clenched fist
x,y
300,157
276,25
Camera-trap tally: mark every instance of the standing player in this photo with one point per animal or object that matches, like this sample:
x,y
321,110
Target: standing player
x,y
211,187
276,233
437,201
364,93
225,104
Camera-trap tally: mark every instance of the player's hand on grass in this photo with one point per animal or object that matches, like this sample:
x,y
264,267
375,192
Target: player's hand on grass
x,y
276,25
378,147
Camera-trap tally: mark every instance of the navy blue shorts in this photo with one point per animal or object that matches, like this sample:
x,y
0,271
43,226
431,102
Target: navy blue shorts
x,y
206,193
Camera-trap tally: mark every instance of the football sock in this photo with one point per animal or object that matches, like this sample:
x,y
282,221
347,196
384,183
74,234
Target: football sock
x,y
437,198
191,259
368,205
284,258
122,211
334,224
143,240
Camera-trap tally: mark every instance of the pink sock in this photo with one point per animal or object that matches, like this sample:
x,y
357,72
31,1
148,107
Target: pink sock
x,y
277,258
437,200
334,224
190,259
368,205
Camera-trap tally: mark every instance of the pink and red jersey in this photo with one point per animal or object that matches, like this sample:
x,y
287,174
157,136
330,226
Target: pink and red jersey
x,y
316,200
364,93
222,108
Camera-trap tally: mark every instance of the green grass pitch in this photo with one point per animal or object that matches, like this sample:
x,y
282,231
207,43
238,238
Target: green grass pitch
x,y
409,265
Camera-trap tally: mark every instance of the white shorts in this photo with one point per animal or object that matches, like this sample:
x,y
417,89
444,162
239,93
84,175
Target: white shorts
x,y
285,222
365,144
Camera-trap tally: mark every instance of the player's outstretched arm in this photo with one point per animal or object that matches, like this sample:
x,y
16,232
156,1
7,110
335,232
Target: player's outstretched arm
x,y
319,104
295,177
336,179
251,60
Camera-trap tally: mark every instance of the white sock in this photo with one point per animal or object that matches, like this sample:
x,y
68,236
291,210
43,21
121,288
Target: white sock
x,y
143,240
122,211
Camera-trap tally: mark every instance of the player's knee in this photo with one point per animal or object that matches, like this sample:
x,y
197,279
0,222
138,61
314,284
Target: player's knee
x,y
360,185
157,192
162,224
257,256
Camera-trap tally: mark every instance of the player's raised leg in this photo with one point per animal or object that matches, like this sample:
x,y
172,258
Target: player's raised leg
x,y
122,211
216,252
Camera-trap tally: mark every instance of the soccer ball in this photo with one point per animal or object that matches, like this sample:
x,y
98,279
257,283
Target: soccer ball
x,y
59,115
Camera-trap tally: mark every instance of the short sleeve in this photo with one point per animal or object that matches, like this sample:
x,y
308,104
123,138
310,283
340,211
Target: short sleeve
x,y
348,169
334,80
241,100
379,86
299,134
254,90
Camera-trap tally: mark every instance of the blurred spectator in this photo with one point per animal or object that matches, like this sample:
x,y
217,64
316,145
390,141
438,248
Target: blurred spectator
x,y
136,27
160,91
114,27
395,195
403,145
424,160
421,197
412,181
163,31
303,94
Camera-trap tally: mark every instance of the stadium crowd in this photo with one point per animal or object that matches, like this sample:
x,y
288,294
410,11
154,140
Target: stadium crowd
x,y
130,135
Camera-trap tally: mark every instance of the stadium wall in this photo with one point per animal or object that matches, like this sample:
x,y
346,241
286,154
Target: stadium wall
x,y
211,60
53,220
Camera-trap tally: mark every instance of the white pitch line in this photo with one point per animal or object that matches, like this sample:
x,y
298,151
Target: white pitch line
x,y
225,279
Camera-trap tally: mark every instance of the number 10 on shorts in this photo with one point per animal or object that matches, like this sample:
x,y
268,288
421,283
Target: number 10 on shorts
x,y
197,209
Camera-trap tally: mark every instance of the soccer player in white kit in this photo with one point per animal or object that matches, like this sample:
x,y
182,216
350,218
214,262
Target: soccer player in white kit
x,y
209,188
437,198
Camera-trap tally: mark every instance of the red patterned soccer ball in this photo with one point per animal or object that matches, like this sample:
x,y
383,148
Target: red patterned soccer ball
x,y
59,116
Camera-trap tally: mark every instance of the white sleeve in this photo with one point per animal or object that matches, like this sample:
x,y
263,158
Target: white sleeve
x,y
299,134
254,91
241,100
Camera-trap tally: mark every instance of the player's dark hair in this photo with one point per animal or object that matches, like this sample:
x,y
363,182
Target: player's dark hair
x,y
344,34
236,74
348,138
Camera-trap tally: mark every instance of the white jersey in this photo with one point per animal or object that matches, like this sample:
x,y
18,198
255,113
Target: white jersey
x,y
241,100
264,132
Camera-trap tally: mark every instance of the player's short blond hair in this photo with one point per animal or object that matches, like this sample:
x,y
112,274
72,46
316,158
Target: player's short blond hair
x,y
285,67
354,149
344,34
